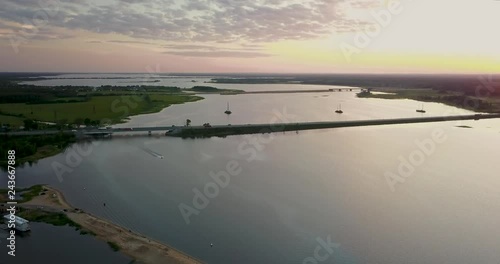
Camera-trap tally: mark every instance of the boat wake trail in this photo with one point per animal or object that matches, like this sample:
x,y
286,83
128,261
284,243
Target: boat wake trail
x,y
152,153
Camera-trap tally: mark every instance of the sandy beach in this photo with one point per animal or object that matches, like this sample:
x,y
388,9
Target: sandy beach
x,y
139,247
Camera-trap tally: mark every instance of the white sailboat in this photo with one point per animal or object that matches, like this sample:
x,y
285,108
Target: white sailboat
x,y
339,110
421,110
228,112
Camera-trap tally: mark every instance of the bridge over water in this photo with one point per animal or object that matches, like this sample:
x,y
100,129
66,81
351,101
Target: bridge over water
x,y
227,130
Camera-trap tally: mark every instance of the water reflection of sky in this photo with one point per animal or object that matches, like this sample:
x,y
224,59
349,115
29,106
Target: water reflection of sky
x,y
59,245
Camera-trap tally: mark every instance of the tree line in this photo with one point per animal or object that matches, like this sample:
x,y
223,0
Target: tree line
x,y
27,145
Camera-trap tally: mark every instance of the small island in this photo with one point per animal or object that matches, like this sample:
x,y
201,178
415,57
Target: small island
x,y
210,89
490,104
46,204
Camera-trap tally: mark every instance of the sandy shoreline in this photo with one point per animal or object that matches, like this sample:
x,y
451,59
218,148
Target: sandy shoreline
x,y
139,247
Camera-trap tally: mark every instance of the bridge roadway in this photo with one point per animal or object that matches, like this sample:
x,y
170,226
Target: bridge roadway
x,y
304,91
199,131
225,130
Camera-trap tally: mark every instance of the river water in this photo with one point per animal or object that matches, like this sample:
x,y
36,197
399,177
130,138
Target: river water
x,y
292,192
40,245
154,79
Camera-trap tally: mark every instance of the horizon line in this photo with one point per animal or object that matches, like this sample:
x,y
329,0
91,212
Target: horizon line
x,y
252,73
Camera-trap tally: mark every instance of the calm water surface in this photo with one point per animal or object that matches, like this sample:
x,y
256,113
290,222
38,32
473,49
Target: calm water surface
x,y
96,80
40,245
296,188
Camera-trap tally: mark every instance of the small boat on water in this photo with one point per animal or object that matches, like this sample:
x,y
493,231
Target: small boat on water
x,y
19,223
339,110
228,112
421,110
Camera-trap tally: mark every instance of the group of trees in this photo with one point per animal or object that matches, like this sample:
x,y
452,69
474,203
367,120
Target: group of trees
x,y
31,124
468,102
22,147
28,145
12,92
87,122
459,83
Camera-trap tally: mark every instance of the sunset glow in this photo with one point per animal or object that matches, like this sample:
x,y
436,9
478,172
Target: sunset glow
x,y
262,36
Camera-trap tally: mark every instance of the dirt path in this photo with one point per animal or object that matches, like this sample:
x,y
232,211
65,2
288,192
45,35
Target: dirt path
x,y
139,247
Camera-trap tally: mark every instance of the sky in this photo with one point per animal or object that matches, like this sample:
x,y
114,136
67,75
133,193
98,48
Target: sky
x,y
254,36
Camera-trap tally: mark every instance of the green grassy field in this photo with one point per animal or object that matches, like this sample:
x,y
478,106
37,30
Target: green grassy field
x,y
12,120
114,108
56,219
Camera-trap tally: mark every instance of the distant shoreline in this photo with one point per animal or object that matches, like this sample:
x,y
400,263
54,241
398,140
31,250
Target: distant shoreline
x,y
489,104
